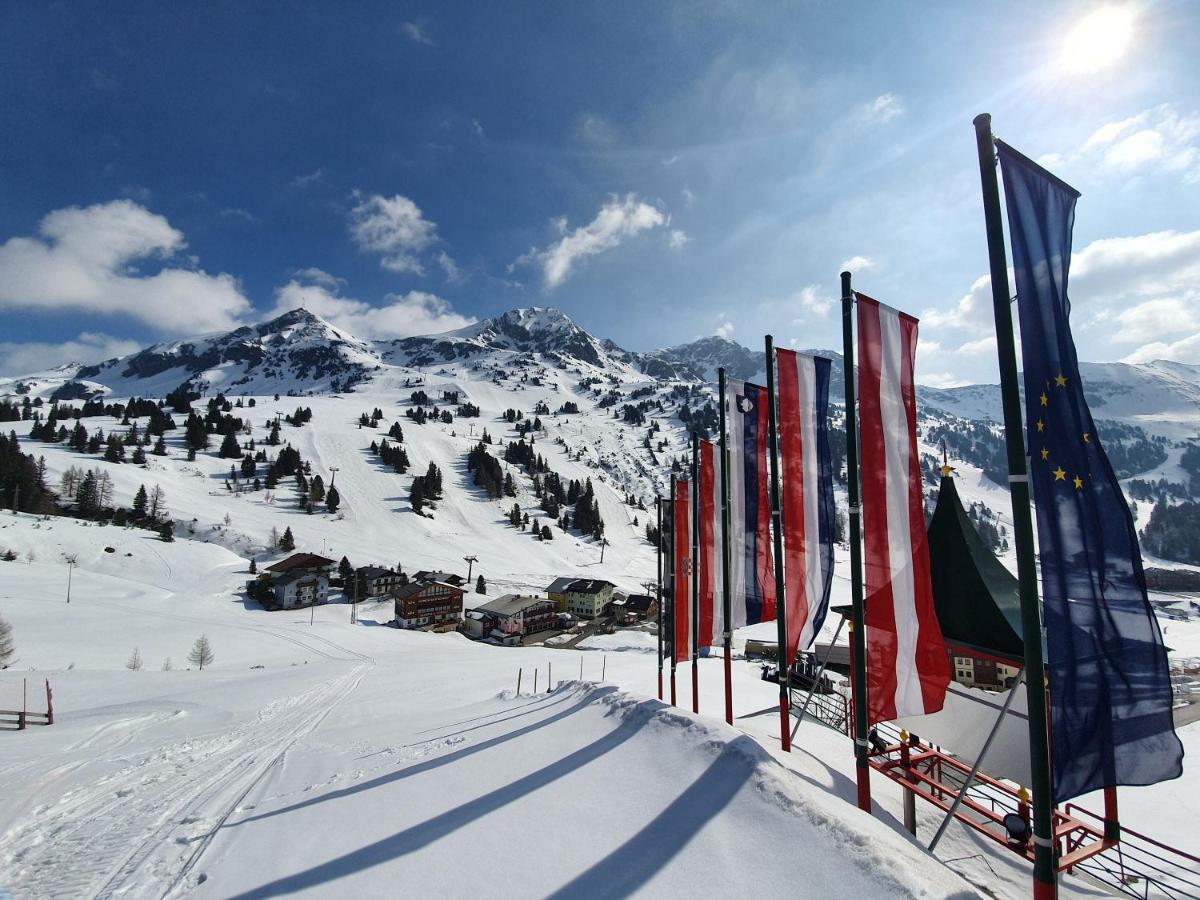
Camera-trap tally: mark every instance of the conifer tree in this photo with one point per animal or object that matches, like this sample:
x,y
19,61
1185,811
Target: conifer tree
x,y
287,543
333,500
139,502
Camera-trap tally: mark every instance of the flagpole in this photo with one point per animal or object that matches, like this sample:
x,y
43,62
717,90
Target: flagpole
x,y
726,599
674,586
1044,881
858,628
785,722
695,573
658,542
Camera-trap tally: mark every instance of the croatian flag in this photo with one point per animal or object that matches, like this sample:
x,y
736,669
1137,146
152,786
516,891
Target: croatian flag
x,y
908,668
711,617
806,469
681,601
751,569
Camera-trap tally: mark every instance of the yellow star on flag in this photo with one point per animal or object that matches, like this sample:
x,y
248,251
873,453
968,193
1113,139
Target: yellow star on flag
x,y
1060,380
1060,474
1045,400
1078,482
1045,453
1041,425
1087,437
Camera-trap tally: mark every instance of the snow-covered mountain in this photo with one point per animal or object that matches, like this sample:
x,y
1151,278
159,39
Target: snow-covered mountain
x,y
603,412
295,352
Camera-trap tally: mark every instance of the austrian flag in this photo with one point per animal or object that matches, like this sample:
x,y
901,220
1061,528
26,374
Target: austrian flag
x,y
908,669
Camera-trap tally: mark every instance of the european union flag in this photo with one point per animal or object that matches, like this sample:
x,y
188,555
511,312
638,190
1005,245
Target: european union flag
x,y
1110,692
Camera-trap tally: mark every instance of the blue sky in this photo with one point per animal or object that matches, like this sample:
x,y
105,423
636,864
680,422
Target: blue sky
x,y
659,171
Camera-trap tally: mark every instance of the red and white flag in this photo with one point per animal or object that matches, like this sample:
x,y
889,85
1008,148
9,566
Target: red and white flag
x,y
681,602
711,616
908,668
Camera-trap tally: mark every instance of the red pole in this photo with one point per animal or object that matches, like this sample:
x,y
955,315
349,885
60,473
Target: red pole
x,y
1112,824
728,685
672,685
695,687
660,684
49,704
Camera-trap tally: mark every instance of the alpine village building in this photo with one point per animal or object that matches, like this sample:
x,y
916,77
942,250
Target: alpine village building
x,y
427,603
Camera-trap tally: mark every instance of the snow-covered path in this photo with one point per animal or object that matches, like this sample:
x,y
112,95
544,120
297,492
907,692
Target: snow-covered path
x,y
584,792
131,820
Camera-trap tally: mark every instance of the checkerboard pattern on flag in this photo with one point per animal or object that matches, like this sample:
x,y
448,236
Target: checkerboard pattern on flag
x,y
681,599
806,475
711,616
908,668
751,570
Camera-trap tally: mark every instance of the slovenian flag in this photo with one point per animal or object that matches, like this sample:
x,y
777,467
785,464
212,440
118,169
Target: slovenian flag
x,y
806,475
751,570
908,668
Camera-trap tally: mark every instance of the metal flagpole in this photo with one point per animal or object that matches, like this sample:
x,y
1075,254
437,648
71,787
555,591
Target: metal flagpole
x,y
858,631
785,722
987,745
694,569
1044,881
820,672
658,541
673,586
726,599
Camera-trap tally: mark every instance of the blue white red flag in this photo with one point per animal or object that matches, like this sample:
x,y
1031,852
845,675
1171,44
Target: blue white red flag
x,y
908,667
751,570
806,475
1110,689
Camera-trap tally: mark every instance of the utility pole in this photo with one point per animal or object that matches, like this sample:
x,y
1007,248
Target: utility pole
x,y
470,561
603,544
71,560
333,470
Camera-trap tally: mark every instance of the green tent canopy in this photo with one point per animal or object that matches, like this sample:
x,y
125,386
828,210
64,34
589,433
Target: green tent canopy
x,y
977,600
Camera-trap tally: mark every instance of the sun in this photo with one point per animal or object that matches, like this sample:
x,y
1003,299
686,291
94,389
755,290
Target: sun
x,y
1099,39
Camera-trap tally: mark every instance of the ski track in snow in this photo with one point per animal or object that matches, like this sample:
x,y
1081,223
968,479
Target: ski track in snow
x,y
139,831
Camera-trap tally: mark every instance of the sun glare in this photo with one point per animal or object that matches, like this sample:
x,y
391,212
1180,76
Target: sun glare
x,y
1099,39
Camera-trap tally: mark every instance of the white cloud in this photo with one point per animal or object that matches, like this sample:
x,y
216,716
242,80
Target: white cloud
x,y
618,220
89,259
449,266
321,277
1156,140
679,239
973,309
724,330
36,356
401,315
883,108
310,178
809,299
984,345
941,380
416,33
393,227
689,196
594,129
1143,289
856,264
